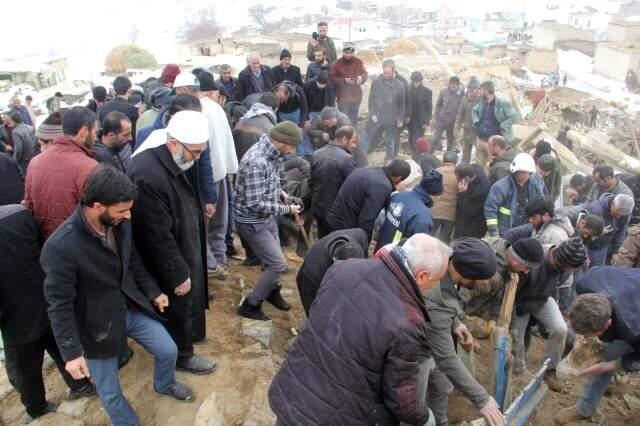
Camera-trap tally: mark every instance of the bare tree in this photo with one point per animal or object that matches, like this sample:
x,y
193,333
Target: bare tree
x,y
259,14
203,26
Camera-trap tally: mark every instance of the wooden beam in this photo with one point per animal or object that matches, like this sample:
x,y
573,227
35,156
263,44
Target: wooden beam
x,y
595,142
507,302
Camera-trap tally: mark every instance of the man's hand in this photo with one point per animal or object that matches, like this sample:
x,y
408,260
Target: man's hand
x,y
465,337
607,230
161,302
359,80
492,413
326,137
313,42
295,209
8,148
209,210
599,368
374,118
462,185
183,288
78,368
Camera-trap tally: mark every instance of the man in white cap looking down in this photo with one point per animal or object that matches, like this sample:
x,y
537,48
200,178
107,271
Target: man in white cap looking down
x,y
169,231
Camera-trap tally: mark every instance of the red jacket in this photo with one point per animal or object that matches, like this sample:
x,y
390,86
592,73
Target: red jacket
x,y
55,181
342,69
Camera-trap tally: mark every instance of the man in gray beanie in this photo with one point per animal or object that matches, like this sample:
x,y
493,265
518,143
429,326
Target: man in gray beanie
x,y
464,120
323,128
258,200
419,114
387,110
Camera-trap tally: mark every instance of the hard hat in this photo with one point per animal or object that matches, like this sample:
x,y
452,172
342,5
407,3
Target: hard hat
x,y
523,162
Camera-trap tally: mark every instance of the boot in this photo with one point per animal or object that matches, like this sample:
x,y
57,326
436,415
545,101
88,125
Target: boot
x,y
568,415
275,298
553,382
247,310
87,391
196,365
180,392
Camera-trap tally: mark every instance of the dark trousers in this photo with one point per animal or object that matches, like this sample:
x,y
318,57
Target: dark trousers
x,y
416,131
439,129
24,369
323,227
442,229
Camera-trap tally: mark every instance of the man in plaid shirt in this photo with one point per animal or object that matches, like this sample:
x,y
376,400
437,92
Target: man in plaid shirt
x,y
257,201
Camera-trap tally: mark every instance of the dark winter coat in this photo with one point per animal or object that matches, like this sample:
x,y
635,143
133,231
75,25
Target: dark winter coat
x,y
341,69
55,182
330,167
356,366
248,131
387,99
535,288
118,158
620,285
313,69
169,228
319,98
470,220
296,102
420,106
428,162
23,310
24,141
230,86
88,286
120,104
447,106
247,86
12,186
319,260
500,165
291,74
318,128
408,214
363,194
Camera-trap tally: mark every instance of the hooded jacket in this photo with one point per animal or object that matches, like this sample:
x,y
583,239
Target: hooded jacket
x,y
470,220
320,259
620,285
357,366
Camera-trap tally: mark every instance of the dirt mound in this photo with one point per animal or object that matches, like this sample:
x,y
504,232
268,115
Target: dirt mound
x,y
368,57
401,47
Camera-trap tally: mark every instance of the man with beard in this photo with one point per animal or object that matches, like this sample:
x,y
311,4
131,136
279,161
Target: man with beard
x,y
122,86
169,231
348,75
323,41
55,179
319,63
606,183
544,225
113,148
492,116
99,292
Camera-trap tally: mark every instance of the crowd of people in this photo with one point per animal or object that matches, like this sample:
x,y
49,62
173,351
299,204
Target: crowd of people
x,y
114,216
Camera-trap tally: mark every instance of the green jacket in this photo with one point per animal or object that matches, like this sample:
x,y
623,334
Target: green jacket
x,y
329,47
465,120
505,114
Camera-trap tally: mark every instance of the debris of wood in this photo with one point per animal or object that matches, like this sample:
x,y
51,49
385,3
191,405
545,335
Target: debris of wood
x,y
597,142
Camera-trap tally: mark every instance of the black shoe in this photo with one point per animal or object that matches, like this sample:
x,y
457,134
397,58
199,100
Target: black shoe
x,y
232,251
251,262
180,392
275,298
124,359
196,365
87,391
247,310
50,407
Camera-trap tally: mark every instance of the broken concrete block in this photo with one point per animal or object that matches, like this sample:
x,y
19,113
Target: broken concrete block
x,y
262,331
75,408
632,402
586,353
54,419
210,413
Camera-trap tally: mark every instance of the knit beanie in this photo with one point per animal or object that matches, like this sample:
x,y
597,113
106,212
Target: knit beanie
x,y
287,133
528,251
473,259
389,63
547,163
423,145
285,54
169,73
48,132
432,182
416,76
328,113
571,253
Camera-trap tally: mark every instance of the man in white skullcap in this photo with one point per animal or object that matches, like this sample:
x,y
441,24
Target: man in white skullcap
x,y
169,230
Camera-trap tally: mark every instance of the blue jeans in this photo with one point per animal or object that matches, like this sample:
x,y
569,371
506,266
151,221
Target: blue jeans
x,y
594,388
351,110
156,340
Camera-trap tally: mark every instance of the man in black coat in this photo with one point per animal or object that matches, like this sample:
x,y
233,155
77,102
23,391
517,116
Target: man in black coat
x,y
99,292
168,227
419,110
320,93
359,366
339,245
473,189
12,185
113,148
364,194
255,78
24,324
122,86
330,166
285,71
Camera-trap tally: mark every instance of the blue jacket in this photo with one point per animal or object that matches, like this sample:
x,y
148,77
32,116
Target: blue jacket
x,y
501,206
407,215
24,114
207,187
611,241
620,285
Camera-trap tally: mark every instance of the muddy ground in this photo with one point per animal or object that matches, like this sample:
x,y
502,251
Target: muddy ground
x,y
246,369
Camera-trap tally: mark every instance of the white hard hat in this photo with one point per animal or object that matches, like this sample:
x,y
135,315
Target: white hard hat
x,y
186,79
523,162
189,127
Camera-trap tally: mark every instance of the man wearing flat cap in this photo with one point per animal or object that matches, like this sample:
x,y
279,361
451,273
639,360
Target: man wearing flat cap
x,y
473,263
259,199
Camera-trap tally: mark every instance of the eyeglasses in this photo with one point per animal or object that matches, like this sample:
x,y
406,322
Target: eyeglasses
x,y
194,154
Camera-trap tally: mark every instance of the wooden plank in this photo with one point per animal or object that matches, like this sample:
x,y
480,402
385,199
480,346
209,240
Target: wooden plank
x,y
506,310
595,143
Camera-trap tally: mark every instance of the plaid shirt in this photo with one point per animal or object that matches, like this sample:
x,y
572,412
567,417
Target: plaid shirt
x,y
257,196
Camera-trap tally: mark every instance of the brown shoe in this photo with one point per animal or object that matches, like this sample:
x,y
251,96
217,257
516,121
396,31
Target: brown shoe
x,y
553,382
568,415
